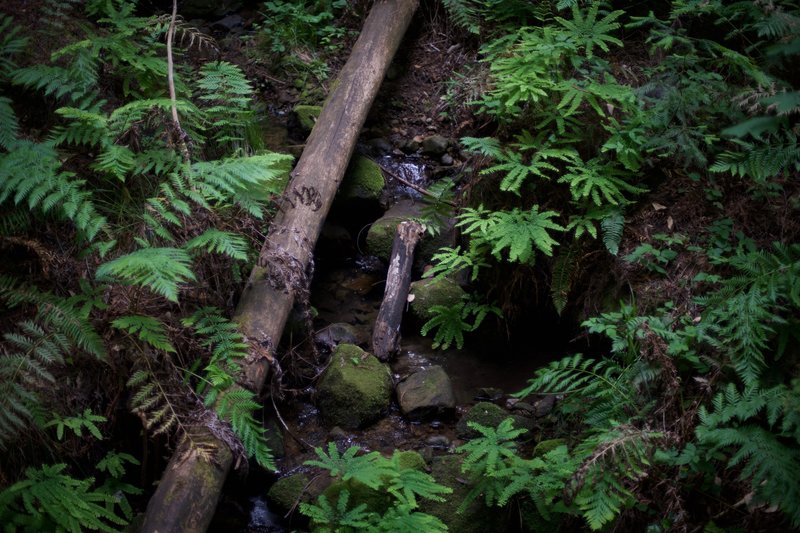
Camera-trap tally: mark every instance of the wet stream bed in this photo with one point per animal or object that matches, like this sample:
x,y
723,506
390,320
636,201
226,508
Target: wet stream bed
x,y
348,287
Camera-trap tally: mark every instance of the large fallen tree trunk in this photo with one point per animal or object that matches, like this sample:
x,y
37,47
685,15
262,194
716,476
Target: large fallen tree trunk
x,y
191,484
386,333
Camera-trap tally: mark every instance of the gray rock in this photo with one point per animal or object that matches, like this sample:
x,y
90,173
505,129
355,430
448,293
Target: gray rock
x,y
434,145
380,145
426,393
229,23
545,406
337,433
438,441
410,146
523,409
447,160
336,334
489,415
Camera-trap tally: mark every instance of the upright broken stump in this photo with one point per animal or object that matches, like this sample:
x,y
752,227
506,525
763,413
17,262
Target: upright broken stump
x,y
187,495
386,334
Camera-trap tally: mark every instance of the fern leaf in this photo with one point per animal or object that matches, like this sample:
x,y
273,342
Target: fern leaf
x,y
221,242
564,272
159,269
148,329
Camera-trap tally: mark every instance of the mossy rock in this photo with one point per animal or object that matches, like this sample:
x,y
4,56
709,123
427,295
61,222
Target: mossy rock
x,y
355,389
376,500
307,115
477,517
363,180
433,291
285,492
426,393
410,460
489,415
381,233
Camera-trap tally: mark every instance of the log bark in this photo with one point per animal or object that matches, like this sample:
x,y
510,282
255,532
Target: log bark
x,y
386,334
187,495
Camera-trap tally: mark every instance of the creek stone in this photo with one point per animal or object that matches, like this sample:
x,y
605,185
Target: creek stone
x,y
434,145
380,145
363,180
438,441
355,389
426,394
307,115
336,334
381,233
489,415
545,406
287,491
433,291
410,146
477,517
229,23
446,160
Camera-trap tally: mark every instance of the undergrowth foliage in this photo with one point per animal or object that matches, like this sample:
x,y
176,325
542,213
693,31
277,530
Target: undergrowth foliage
x,y
144,222
696,398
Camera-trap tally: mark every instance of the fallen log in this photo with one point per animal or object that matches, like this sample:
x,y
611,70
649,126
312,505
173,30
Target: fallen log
x,y
187,495
386,334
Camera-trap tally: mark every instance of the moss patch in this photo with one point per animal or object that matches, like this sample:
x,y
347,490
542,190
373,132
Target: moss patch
x,y
307,115
430,292
363,180
285,492
355,389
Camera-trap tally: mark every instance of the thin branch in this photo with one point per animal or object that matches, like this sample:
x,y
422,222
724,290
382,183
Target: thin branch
x,y
417,188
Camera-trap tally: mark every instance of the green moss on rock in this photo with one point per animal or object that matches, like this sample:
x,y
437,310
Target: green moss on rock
x,y
355,389
363,180
410,460
430,292
489,415
307,115
285,492
477,517
547,445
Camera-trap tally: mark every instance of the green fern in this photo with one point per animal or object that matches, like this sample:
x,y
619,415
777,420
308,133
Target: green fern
x,y
451,322
221,242
218,386
586,31
339,518
76,424
406,484
159,411
236,406
518,231
450,261
159,269
463,14
487,453
149,330
50,500
371,469
30,173
600,182
612,225
11,44
770,465
565,270
226,91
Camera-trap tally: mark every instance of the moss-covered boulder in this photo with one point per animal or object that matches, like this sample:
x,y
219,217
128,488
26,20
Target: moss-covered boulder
x,y
287,491
410,460
433,291
426,394
547,445
381,232
477,517
307,115
355,389
363,180
489,415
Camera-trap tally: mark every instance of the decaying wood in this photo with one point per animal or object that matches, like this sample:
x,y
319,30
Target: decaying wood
x,y
386,334
188,492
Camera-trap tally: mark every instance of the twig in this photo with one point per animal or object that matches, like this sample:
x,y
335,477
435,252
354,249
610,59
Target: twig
x,y
418,188
181,135
306,446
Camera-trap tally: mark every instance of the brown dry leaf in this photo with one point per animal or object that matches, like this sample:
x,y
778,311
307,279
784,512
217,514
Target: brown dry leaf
x,y
658,207
670,223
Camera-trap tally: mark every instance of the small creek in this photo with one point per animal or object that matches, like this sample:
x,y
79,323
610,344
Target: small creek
x,y
348,287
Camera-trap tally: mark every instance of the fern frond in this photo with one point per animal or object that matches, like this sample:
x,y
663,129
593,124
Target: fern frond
x,y
463,13
148,329
612,225
49,499
30,173
221,242
159,269
11,44
370,469
565,269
